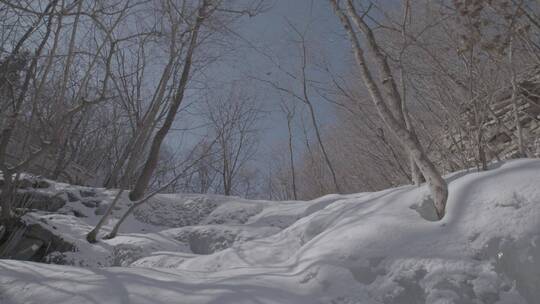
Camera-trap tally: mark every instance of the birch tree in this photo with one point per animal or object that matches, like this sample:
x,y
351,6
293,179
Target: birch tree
x,y
386,97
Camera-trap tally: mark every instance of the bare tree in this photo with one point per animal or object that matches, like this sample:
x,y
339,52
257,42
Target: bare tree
x,y
304,96
391,118
28,110
289,112
141,184
234,120
185,171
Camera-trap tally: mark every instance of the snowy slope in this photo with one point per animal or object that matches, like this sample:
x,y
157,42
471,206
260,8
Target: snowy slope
x,y
365,248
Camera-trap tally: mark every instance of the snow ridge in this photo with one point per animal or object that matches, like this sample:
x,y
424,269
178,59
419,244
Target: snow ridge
x,y
381,247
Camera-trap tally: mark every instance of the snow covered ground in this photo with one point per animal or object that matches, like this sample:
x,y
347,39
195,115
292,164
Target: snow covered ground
x,y
381,247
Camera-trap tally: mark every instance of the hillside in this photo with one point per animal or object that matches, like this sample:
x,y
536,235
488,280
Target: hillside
x,y
380,247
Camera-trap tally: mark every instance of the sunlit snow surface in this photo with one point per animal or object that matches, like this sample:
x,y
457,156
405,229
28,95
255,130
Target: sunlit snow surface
x,y
381,247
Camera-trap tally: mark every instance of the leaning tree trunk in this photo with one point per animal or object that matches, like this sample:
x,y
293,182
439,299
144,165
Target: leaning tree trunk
x,y
117,225
91,237
152,160
143,134
416,176
436,183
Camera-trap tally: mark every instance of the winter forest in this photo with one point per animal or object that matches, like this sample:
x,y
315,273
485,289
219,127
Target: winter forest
x,y
270,151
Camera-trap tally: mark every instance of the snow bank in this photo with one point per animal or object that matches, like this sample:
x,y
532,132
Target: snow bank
x,y
380,247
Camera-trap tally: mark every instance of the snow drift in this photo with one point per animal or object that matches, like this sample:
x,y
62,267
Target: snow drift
x,y
381,247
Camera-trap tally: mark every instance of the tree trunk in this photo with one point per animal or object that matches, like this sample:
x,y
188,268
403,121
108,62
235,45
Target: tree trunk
x,y
314,119
515,104
409,141
416,176
291,155
112,180
151,162
323,149
117,225
91,237
517,122
6,197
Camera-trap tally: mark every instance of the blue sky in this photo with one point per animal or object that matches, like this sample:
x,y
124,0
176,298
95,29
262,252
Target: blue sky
x,y
269,35
272,35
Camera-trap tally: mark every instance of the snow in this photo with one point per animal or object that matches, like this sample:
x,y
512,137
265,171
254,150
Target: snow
x,y
380,247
